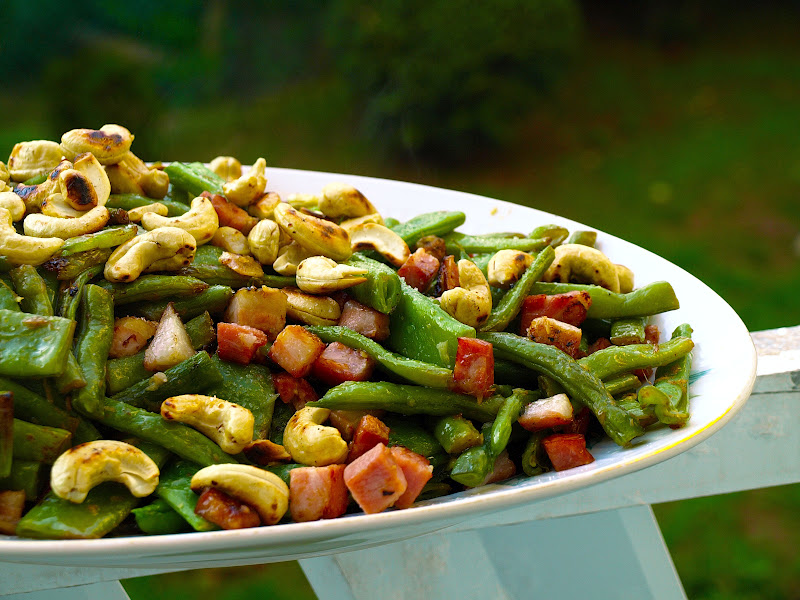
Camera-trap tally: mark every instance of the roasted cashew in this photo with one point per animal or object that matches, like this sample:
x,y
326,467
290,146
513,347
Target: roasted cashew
x,y
507,266
34,196
321,275
88,165
264,240
350,224
135,214
243,265
246,189
582,264
30,159
310,309
163,249
228,424
371,236
201,220
227,167
132,176
77,191
231,240
343,201
13,204
44,226
625,279
264,491
264,207
311,443
109,144
21,249
81,468
309,201
471,301
289,258
5,176
315,235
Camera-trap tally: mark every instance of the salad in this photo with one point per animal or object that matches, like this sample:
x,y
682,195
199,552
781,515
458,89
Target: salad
x,y
182,349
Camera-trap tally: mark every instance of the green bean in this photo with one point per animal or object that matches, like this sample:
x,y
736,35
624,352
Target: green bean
x,y
105,507
381,290
214,300
584,238
512,301
673,381
158,518
219,274
407,400
456,434
434,489
33,290
615,360
555,233
70,296
9,300
644,415
508,414
549,386
473,466
647,300
33,345
31,407
409,369
390,222
6,432
194,178
69,267
201,330
131,201
207,255
174,488
580,384
479,244
72,378
149,288
627,331
280,418
111,237
410,434
249,386
25,476
36,179
533,456
39,442
434,223
509,373
92,345
622,383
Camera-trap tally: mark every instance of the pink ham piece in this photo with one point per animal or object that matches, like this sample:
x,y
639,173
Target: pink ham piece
x,y
546,413
417,471
317,493
375,480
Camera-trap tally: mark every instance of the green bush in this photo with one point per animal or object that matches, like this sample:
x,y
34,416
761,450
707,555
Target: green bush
x,y
446,78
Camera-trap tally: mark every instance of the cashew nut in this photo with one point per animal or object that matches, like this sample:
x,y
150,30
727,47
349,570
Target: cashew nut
x,y
131,175
582,264
371,236
83,467
163,249
244,190
135,214
34,196
77,191
5,176
309,201
263,207
262,490
44,226
109,144
471,301
625,279
227,167
264,240
289,258
243,265
321,275
30,159
311,443
228,424
231,240
350,224
21,249
201,220
340,200
507,266
13,204
315,235
88,165
311,310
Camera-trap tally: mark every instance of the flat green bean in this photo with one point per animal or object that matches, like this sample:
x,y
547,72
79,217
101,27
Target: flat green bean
x,y
651,299
92,345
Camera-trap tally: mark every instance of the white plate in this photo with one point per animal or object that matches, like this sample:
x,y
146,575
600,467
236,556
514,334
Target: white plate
x,y
724,368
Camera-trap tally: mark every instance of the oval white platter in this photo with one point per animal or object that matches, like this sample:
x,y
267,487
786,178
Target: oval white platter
x,y
723,372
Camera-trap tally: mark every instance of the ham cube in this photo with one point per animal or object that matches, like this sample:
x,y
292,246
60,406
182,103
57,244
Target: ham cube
x,y
474,369
448,275
369,432
375,480
227,512
263,308
419,270
295,350
503,468
294,390
231,215
416,469
433,245
547,413
339,363
580,422
567,450
239,343
317,493
570,307
365,320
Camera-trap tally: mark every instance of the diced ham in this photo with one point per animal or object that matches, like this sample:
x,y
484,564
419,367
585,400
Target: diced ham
x,y
265,453
474,369
503,468
317,493
547,413
580,422
416,469
239,343
130,336
231,215
260,307
294,390
433,245
563,336
365,320
567,450
570,307
223,510
599,344
346,421
339,363
295,350
12,504
375,480
448,275
419,270
652,335
369,432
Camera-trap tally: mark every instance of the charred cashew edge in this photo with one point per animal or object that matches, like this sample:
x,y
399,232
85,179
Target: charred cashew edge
x,y
315,235
371,236
506,267
321,275
584,264
44,226
229,425
169,248
21,249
